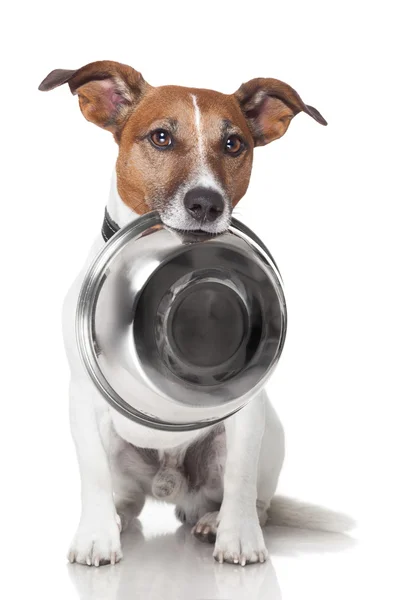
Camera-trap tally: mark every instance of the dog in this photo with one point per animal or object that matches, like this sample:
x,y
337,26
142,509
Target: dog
x,y
186,153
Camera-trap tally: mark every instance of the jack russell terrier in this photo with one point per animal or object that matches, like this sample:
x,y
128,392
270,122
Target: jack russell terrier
x,y
186,153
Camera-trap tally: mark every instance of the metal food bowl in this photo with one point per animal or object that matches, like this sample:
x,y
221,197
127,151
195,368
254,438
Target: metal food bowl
x,y
179,331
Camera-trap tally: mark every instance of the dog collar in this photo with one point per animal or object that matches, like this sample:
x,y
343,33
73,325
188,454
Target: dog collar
x,y
109,227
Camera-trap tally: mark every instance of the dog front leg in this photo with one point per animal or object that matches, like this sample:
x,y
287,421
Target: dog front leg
x,y
97,540
239,535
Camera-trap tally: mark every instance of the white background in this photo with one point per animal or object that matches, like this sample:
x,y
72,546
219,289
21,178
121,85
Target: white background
x,y
324,199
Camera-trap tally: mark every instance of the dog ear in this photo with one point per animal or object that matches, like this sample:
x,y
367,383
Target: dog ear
x,y
107,91
269,105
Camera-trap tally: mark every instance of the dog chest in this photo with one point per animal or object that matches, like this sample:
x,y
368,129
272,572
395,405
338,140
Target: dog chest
x,y
146,437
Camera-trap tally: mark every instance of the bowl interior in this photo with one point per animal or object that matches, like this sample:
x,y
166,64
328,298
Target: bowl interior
x,y
208,316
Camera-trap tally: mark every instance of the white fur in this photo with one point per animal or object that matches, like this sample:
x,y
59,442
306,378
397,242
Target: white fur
x,y
287,512
197,121
100,433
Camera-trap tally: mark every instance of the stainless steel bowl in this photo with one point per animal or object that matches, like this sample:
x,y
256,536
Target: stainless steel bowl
x,y
179,331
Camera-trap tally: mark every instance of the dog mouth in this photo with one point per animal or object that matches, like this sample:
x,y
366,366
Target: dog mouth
x,y
183,224
198,231
195,234
204,231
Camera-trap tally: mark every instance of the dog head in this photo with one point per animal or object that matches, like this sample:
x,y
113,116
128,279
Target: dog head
x,y
185,152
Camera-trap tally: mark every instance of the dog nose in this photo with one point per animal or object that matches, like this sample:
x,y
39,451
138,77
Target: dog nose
x,y
204,204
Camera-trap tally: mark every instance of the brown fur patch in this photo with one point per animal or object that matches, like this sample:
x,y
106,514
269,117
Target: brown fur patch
x,y
269,105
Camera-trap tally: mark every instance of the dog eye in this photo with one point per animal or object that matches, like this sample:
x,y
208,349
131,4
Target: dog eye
x,y
161,138
234,145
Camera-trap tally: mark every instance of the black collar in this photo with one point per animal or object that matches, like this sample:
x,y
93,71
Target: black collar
x,y
109,227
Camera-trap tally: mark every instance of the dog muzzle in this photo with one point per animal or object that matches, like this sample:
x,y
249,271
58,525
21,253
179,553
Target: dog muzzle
x,y
178,331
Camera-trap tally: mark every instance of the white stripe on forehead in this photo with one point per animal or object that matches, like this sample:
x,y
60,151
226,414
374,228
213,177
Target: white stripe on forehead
x,y
206,177
197,120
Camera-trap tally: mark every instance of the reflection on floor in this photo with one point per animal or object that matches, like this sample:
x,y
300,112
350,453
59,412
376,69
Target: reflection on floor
x,y
175,566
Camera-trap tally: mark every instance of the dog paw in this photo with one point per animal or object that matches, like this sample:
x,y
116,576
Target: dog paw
x,y
240,541
205,529
96,543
